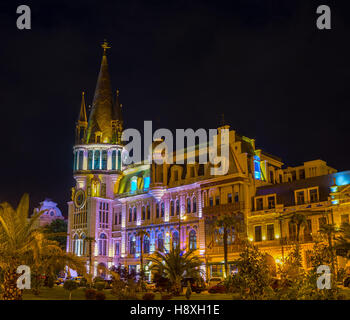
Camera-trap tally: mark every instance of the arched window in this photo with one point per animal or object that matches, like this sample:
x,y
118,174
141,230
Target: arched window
x,y
114,160
130,214
97,160
162,209
135,213
83,245
90,160
104,160
119,160
102,245
175,239
160,241
76,245
192,240
177,207
148,212
132,244
146,244
75,160
157,210
188,205
81,160
194,204
172,208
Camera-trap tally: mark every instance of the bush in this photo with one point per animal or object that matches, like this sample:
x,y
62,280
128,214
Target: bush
x,y
83,282
100,285
100,296
167,296
90,294
98,279
148,296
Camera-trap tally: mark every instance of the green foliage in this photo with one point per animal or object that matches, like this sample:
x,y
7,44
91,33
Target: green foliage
x,y
100,285
70,285
58,227
148,296
252,280
90,294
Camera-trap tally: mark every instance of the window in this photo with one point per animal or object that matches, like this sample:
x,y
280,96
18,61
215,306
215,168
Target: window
x,y
114,160
133,184
117,249
302,174
135,213
119,160
81,160
211,201
313,195
160,241
104,160
344,218
102,245
271,177
130,214
116,218
308,230
97,160
300,197
322,221
259,204
270,232
143,213
175,239
148,212
257,231
236,197
271,202
177,207
146,244
229,198
194,204
103,215
162,210
192,240
75,161
172,208
76,244
257,171
217,200
146,182
120,218
132,244
281,178
292,231
90,160
188,210
157,210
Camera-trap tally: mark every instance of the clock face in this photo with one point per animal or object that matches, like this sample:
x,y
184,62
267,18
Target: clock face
x,y
79,198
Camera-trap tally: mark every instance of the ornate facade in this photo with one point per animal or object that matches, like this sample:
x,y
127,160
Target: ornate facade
x,y
112,202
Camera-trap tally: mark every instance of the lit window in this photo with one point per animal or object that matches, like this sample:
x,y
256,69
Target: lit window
x,y
192,240
146,182
133,184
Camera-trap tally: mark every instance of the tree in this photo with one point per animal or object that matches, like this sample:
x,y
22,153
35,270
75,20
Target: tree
x,y
70,285
252,278
342,242
176,264
57,231
299,219
21,243
329,231
90,240
141,233
227,223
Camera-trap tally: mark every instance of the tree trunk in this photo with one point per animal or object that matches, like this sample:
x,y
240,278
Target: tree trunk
x,y
225,250
11,292
70,295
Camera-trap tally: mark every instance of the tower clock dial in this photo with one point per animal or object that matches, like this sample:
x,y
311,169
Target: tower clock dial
x,y
79,198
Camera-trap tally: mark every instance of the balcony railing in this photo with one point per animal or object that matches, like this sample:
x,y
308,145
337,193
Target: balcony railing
x,y
223,208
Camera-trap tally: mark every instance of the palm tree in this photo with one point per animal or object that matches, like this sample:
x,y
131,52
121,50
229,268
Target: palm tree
x,y
21,243
329,230
342,245
227,223
141,233
299,219
175,264
89,240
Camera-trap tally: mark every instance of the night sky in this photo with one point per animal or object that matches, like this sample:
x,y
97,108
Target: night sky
x,y
264,64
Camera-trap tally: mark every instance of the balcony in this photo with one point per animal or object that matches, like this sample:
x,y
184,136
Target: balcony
x,y
223,208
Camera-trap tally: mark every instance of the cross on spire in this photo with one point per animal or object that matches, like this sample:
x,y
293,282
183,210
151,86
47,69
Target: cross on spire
x,y
105,46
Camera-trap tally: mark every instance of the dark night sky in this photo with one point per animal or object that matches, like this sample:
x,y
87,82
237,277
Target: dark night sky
x,y
264,64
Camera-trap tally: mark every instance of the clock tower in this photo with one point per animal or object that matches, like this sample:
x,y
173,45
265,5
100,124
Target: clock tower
x,y
97,167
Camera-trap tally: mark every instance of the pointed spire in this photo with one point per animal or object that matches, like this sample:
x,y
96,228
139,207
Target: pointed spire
x,y
82,115
102,107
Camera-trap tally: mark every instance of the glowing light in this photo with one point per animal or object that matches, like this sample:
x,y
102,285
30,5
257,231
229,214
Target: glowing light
x,y
277,236
334,188
167,234
251,239
201,252
146,182
278,261
257,170
264,238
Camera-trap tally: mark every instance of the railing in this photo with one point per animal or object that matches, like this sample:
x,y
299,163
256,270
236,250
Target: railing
x,y
222,208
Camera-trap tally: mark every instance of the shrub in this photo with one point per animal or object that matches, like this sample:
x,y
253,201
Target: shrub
x,y
167,296
100,285
90,294
100,296
148,296
83,282
70,285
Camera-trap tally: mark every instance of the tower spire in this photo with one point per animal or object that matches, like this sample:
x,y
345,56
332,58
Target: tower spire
x,y
82,123
82,115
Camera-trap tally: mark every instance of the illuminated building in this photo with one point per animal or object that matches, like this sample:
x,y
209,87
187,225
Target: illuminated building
x,y
175,203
